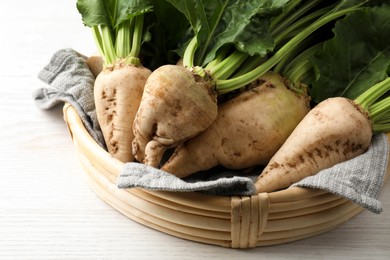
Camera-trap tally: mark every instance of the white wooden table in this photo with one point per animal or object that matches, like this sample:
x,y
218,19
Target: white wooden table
x,y
47,209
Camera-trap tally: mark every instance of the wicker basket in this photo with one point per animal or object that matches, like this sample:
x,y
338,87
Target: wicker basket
x,y
237,222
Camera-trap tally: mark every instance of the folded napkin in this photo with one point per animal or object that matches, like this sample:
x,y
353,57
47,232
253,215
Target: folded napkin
x,y
359,180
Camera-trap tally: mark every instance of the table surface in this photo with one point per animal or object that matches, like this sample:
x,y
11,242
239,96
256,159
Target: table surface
x,y
47,209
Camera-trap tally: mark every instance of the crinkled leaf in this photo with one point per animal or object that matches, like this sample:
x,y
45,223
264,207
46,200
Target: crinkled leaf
x,y
357,57
130,8
219,22
167,26
111,12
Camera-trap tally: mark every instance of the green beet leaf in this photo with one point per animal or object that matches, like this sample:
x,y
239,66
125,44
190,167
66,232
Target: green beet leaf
x,y
117,27
111,12
357,57
244,24
167,28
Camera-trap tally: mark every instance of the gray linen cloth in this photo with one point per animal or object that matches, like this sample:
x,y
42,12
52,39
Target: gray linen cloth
x,y
359,179
70,81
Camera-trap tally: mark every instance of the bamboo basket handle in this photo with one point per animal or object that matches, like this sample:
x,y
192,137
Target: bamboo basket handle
x,y
246,229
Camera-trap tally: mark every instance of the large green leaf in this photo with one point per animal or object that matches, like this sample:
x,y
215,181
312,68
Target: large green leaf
x,y
129,8
219,22
357,57
111,12
166,25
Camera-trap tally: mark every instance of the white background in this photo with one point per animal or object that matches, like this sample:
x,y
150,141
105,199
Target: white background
x,y
47,209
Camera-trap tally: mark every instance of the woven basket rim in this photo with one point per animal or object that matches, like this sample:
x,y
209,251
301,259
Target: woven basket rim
x,y
228,221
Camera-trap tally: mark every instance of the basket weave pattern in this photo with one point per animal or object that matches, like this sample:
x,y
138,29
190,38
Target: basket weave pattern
x,y
237,221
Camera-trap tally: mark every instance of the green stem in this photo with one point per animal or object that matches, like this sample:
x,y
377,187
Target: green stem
x,y
221,55
380,110
301,23
224,86
300,72
199,71
294,16
300,67
250,64
123,43
189,53
108,44
294,52
98,39
228,66
371,95
279,20
381,128
137,36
